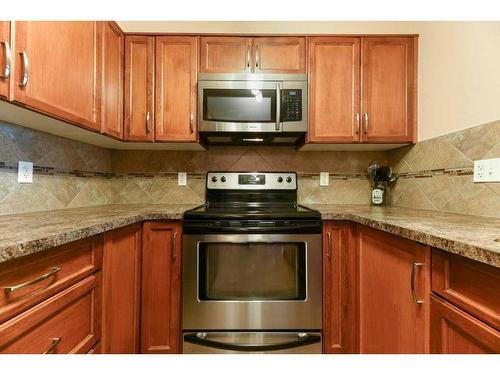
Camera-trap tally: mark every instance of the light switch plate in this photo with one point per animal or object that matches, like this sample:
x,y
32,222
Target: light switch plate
x,y
182,178
324,178
487,170
25,172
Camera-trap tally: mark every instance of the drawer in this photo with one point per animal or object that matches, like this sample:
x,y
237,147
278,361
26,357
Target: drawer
x,y
29,280
68,322
468,284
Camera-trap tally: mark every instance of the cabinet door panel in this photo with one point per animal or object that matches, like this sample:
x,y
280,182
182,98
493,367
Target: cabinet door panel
x,y
280,55
112,80
64,60
390,321
334,78
160,295
121,290
6,49
139,88
176,67
225,54
389,89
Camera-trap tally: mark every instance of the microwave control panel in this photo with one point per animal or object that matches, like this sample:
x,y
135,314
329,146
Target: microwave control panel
x,y
291,105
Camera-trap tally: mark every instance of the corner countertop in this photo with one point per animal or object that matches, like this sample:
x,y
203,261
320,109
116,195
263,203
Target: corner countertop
x,y
466,235
474,237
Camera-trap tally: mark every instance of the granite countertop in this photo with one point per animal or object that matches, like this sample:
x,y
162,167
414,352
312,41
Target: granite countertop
x,y
474,237
470,236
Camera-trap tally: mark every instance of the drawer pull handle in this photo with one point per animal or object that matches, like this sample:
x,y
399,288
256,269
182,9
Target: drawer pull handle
x,y
412,284
55,342
10,289
25,69
8,60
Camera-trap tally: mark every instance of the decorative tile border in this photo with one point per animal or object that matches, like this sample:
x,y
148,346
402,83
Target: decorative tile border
x,y
437,172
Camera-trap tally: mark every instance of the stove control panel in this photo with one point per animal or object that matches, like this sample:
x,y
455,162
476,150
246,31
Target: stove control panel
x,y
252,180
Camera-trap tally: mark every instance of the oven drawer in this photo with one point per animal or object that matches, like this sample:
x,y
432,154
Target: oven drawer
x,y
251,343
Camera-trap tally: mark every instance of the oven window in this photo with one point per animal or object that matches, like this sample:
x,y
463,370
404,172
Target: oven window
x,y
252,271
239,105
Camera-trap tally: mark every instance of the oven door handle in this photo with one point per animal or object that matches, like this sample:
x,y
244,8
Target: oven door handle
x,y
303,339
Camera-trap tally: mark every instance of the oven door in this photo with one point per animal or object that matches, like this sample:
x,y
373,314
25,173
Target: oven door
x,y
252,282
239,106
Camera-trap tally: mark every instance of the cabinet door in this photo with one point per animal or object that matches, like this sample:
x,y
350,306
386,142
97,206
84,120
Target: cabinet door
x,y
176,72
5,58
225,54
334,89
160,295
339,288
121,290
139,88
390,319
456,332
279,55
112,80
389,89
58,69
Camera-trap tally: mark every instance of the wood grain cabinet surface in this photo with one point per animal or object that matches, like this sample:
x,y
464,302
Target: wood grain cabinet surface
x,y
5,58
121,290
160,294
58,69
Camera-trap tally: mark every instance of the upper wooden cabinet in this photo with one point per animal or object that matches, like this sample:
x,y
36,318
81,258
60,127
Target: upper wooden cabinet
x,y
58,69
176,93
5,58
112,80
393,293
379,109
139,88
253,55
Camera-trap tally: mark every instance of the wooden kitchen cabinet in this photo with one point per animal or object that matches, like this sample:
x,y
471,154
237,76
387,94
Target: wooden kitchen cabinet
x,y
112,80
176,88
334,90
234,54
138,96
393,277
5,58
58,69
339,288
160,294
453,331
121,290
389,89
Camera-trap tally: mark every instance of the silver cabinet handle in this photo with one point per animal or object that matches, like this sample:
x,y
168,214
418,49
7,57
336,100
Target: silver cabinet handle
x,y
329,252
8,60
248,56
191,121
25,69
412,283
256,56
10,289
358,122
148,121
365,115
174,244
278,106
52,348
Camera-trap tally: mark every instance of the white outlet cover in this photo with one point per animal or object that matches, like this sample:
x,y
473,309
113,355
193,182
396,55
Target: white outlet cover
x,y
487,170
324,178
182,178
25,172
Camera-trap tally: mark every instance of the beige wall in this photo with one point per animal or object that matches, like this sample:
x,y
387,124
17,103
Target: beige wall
x,y
459,74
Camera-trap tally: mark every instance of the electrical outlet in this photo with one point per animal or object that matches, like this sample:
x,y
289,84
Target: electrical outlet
x,y
324,178
25,172
487,170
182,178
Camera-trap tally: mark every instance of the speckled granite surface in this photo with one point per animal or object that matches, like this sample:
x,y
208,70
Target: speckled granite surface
x,y
28,233
470,236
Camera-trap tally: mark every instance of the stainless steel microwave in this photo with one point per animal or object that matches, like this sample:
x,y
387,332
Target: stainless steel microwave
x,y
252,108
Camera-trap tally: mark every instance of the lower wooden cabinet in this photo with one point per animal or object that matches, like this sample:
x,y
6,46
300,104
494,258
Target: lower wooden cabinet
x,y
160,294
121,290
393,293
455,332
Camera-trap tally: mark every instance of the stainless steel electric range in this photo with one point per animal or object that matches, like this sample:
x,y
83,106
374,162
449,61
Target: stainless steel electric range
x,y
252,274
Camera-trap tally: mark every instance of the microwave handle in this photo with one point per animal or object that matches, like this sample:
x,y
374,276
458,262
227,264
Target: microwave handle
x,y
278,106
